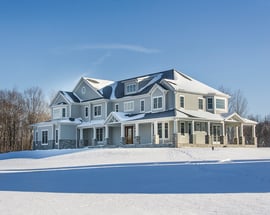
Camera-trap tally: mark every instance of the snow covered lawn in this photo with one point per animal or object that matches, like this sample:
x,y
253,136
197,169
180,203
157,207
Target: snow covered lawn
x,y
136,181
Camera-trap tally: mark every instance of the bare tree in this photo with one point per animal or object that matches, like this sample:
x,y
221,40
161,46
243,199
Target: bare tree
x,y
237,102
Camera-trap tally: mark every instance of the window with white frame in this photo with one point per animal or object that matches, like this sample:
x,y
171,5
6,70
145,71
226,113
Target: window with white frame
x,y
128,106
116,107
142,105
130,88
200,101
97,111
182,102
182,128
220,103
210,103
44,137
64,112
157,102
99,134
163,130
86,111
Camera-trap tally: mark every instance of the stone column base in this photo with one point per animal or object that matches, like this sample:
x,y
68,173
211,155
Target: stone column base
x,y
137,140
94,142
155,139
107,141
123,141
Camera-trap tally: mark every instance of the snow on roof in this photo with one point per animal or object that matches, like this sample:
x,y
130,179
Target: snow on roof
x,y
154,79
127,117
203,115
98,83
185,83
62,121
92,123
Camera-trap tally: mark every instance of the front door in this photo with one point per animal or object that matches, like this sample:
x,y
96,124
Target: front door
x,y
129,134
216,134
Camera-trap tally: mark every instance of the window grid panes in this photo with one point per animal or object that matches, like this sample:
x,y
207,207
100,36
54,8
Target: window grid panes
x,y
157,102
99,134
44,137
97,111
210,103
182,101
200,104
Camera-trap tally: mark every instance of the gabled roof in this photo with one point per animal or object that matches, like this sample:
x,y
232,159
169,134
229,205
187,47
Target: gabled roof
x,y
234,117
70,96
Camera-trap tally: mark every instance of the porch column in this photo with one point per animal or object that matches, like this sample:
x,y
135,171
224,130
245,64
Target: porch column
x,y
123,140
155,137
236,136
94,136
254,135
242,138
223,137
175,133
81,138
137,134
107,139
192,138
208,136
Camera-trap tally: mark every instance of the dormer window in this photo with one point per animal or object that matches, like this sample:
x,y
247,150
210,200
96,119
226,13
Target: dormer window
x,y
157,103
131,88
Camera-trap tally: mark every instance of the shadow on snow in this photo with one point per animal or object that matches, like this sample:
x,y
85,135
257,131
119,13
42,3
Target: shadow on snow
x,y
151,178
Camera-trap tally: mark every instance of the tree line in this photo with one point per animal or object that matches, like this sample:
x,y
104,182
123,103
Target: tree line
x,y
18,111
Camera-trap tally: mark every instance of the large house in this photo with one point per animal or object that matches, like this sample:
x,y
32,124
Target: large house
x,y
166,108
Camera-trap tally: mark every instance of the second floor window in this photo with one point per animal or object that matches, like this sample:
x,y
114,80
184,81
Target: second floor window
x,y
116,107
86,111
220,103
63,112
210,103
142,109
129,106
200,104
182,102
130,88
97,111
157,102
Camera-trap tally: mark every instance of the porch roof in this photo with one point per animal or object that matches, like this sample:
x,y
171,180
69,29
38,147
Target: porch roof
x,y
92,123
203,115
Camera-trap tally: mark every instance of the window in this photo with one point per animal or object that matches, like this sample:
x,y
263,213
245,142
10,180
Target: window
x,y
44,137
160,130
157,102
97,111
36,137
129,106
130,88
142,109
210,103
200,104
63,112
99,134
116,107
182,101
166,130
182,128
220,103
56,136
86,111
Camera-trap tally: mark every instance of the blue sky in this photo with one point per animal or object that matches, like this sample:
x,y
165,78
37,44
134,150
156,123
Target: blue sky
x,y
52,43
